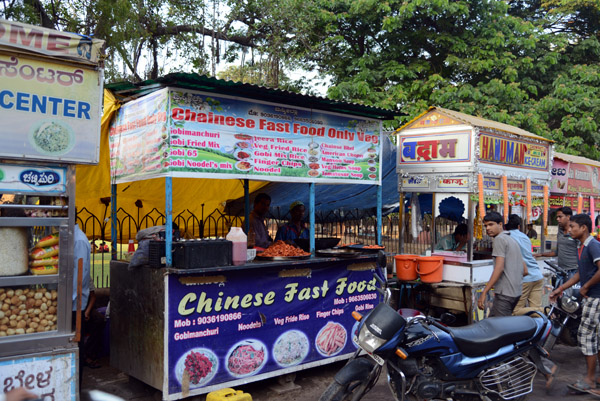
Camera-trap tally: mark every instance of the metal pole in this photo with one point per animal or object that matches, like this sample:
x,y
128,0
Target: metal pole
x,y
169,220
401,224
311,214
470,221
246,205
379,212
113,221
434,231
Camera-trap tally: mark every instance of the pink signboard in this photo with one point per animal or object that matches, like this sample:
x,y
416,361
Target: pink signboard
x,y
560,172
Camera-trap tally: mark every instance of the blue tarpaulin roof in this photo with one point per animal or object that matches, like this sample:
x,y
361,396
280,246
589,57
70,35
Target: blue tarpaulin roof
x,y
334,201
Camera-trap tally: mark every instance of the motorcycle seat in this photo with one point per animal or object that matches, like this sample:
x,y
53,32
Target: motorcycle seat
x,y
487,336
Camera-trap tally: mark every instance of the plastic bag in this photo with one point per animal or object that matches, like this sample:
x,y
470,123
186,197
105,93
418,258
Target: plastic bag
x,y
44,262
42,253
41,270
47,241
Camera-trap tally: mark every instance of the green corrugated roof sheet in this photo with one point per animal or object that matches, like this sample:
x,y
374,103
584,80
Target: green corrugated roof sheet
x,y
126,90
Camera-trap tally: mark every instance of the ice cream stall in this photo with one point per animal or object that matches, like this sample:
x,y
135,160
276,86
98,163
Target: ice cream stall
x,y
474,165
190,325
50,106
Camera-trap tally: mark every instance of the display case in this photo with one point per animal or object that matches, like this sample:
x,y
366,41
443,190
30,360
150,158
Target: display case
x,y
35,309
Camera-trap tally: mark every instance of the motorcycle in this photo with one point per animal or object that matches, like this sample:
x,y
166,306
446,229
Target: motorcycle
x,y
494,359
565,314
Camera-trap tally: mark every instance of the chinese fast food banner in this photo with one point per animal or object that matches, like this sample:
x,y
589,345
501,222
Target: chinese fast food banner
x,y
223,331
192,134
49,111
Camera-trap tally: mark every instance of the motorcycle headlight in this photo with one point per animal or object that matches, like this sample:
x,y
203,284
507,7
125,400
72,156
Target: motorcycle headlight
x,y
569,304
368,340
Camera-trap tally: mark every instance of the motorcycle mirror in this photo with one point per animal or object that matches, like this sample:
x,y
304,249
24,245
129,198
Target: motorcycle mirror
x,y
447,318
381,259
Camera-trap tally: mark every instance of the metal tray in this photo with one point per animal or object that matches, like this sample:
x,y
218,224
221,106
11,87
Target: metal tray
x,y
339,253
361,248
260,257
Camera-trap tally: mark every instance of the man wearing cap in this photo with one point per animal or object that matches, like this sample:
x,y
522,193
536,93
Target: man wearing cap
x,y
295,227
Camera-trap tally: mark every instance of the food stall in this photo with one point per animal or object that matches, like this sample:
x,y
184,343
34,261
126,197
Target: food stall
x,y
193,326
50,105
482,165
575,183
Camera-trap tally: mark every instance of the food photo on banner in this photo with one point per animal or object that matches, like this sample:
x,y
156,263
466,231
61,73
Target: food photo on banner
x,y
221,330
190,133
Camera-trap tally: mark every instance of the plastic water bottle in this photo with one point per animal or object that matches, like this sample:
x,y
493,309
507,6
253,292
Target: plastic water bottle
x,y
239,252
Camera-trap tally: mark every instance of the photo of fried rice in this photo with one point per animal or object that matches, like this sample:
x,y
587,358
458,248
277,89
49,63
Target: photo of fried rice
x,y
290,348
242,137
243,165
331,339
313,173
52,137
246,358
196,367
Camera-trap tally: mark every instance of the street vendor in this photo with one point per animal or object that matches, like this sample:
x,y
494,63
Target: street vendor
x,y
295,228
456,241
566,246
258,229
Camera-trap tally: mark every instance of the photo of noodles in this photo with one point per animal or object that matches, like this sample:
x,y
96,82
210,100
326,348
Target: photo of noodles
x,y
331,339
52,137
290,348
196,367
243,165
246,358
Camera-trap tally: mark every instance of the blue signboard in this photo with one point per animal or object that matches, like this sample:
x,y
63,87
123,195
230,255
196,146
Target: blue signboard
x,y
221,329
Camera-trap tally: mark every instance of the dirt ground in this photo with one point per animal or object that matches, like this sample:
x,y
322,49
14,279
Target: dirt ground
x,y
309,384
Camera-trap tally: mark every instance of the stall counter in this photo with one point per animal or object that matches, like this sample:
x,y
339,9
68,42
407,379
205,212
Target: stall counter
x,y
189,332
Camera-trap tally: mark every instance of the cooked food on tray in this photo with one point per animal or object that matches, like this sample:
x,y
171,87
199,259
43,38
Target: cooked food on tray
x,y
242,137
290,348
246,358
373,247
280,248
242,154
53,137
243,165
331,339
199,364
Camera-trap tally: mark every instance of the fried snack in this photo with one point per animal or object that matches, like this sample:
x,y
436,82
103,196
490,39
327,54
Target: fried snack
x,y
280,248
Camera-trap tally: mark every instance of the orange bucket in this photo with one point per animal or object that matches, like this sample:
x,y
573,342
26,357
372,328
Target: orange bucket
x,y
406,267
430,268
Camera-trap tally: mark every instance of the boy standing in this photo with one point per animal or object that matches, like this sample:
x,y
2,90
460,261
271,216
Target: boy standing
x,y
507,277
588,275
